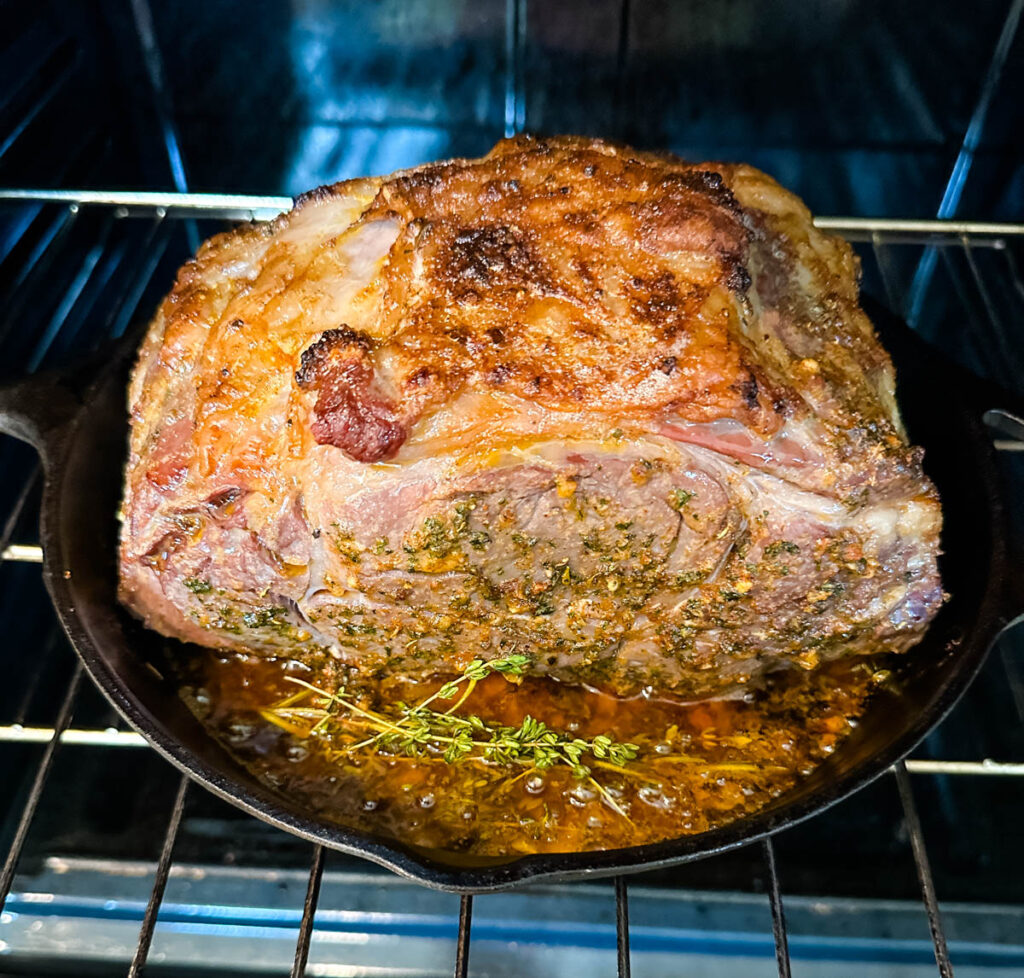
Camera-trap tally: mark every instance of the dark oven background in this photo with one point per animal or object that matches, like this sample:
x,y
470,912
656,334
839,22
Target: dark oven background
x,y
866,108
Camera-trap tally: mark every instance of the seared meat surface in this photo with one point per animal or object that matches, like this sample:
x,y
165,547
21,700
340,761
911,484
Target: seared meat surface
x,y
614,410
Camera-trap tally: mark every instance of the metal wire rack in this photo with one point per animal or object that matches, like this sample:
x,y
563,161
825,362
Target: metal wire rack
x,y
108,251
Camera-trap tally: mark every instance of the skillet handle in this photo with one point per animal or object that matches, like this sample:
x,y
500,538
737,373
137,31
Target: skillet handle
x,y
1006,426
38,408
1000,409
41,408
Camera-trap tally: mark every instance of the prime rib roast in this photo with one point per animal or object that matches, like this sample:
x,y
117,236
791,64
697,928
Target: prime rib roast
x,y
610,409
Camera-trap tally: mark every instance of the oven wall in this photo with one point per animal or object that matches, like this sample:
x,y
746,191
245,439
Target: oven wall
x,y
861,106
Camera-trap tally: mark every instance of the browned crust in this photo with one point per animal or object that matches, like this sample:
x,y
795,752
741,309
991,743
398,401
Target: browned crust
x,y
349,413
575,274
576,254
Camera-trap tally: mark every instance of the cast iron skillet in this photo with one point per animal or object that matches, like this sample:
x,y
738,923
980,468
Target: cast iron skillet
x,y
77,421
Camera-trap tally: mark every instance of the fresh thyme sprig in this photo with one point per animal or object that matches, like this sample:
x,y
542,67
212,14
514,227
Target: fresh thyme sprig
x,y
421,731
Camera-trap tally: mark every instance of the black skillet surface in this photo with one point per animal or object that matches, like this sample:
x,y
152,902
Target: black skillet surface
x,y
77,421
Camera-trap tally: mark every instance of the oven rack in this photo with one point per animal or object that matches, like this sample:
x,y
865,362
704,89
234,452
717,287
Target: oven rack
x,y
979,260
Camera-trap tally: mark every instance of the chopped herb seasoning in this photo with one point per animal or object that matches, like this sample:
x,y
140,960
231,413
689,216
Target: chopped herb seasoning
x,y
346,545
265,617
678,498
688,578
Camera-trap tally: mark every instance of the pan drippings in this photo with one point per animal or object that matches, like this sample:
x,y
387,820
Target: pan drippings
x,y
696,766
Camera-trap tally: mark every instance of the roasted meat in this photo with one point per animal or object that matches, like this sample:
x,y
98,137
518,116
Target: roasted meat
x,y
608,408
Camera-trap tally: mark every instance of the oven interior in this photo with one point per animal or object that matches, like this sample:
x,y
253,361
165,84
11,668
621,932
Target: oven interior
x,y
900,123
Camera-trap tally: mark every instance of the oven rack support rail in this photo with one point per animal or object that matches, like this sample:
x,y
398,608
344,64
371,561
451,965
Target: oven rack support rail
x,y
883,238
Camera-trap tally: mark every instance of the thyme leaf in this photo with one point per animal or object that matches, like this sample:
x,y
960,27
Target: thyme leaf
x,y
419,730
